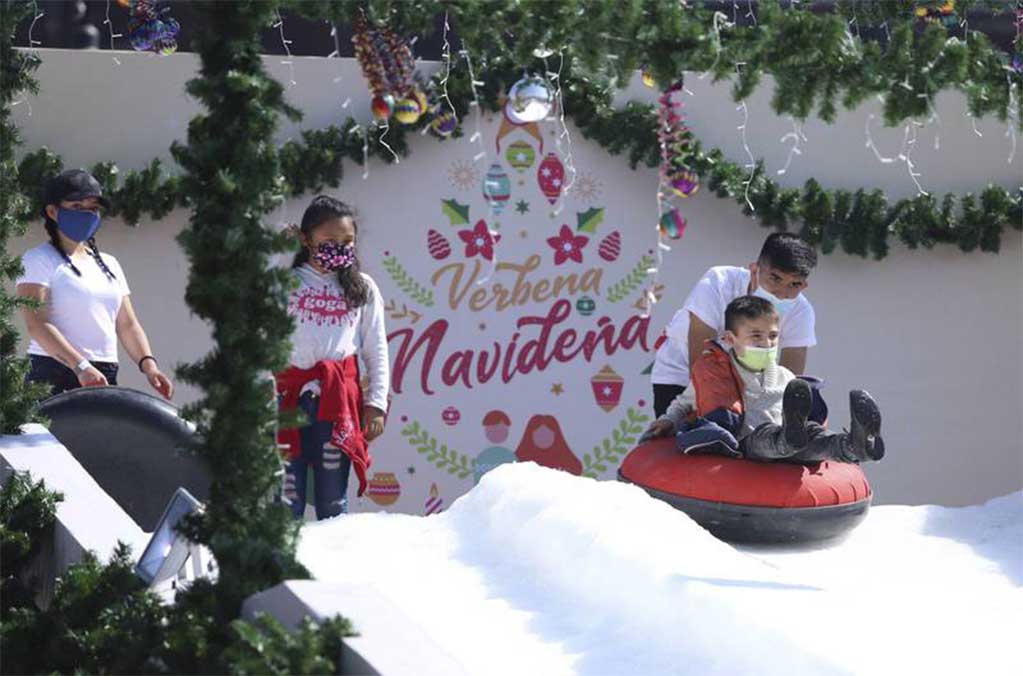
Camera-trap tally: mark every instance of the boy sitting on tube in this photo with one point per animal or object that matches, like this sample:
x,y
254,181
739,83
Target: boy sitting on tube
x,y
742,403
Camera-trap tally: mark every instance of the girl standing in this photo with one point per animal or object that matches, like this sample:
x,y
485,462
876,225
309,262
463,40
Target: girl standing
x,y
339,317
84,305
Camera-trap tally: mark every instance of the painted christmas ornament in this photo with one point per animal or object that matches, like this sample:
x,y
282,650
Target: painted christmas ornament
x,y
496,187
444,122
585,306
611,247
672,224
437,244
520,156
550,175
607,388
384,488
382,106
407,111
530,100
450,416
434,503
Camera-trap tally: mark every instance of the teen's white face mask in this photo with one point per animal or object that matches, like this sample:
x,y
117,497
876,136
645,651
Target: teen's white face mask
x,y
781,306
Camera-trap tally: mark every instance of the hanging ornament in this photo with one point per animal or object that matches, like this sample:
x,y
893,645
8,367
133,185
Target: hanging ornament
x,y
942,13
529,100
407,111
387,65
382,106
672,225
550,176
674,139
496,188
151,29
683,182
520,156
444,121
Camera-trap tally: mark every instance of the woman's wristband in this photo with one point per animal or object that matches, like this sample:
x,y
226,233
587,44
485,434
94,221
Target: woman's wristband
x,y
148,356
81,366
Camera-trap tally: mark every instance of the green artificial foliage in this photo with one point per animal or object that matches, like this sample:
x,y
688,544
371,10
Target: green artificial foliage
x,y
27,513
817,60
231,180
265,646
17,399
103,620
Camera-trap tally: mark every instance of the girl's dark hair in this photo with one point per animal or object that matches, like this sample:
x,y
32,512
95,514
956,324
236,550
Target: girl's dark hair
x,y
319,211
51,230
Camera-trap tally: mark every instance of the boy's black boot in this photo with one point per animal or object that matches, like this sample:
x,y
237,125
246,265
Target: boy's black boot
x,y
865,435
796,405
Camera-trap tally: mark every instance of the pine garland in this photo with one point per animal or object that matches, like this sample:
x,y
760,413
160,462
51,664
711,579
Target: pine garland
x,y
231,179
815,62
17,399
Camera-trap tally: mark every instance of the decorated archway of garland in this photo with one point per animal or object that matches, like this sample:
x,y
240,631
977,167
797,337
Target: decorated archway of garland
x,y
232,175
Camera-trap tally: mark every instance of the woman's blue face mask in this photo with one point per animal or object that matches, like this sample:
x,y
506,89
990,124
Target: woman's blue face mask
x,y
78,225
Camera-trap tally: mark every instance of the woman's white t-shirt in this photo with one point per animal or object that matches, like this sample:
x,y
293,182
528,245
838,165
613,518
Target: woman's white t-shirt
x,y
708,300
84,309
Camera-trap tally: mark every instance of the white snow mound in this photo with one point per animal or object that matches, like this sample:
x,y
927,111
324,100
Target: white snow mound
x,y
538,571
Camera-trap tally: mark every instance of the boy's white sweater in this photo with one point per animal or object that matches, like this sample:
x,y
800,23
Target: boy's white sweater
x,y
762,397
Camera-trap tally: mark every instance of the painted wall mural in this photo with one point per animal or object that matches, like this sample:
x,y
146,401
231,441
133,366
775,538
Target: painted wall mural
x,y
515,327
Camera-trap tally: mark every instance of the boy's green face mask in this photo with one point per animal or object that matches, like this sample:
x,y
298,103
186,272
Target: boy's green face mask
x,y
757,358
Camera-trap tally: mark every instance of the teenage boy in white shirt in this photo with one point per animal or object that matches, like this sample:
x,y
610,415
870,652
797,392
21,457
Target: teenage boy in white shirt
x,y
779,275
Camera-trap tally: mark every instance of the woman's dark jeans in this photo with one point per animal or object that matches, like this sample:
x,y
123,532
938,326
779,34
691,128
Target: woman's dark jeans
x,y
59,377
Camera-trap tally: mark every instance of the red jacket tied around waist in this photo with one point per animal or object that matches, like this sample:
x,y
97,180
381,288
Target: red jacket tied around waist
x,y
340,404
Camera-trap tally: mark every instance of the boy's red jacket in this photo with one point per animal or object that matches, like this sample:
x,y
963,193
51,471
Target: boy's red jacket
x,y
716,383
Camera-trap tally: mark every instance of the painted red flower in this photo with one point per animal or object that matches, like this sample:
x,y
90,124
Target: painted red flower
x,y
567,246
479,241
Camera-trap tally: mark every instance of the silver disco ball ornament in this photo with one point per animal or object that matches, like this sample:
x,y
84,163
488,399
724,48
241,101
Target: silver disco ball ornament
x,y
530,100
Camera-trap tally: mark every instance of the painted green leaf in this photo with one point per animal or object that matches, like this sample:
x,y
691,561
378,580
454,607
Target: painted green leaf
x,y
587,221
457,213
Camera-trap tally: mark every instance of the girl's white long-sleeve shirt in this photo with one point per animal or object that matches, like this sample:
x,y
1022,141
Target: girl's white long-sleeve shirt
x,y
326,328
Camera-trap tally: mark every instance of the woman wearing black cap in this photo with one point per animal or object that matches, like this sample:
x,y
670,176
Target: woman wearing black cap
x,y
84,303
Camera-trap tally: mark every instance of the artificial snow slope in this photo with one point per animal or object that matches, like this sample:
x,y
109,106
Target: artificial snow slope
x,y
538,571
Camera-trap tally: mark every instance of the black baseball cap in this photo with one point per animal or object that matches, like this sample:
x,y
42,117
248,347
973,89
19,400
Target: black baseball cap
x,y
73,184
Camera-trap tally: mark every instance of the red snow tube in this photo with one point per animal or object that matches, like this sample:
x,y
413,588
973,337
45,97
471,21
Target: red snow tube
x,y
745,501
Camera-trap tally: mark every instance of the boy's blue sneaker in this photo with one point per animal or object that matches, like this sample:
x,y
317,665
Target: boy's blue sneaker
x,y
865,434
796,404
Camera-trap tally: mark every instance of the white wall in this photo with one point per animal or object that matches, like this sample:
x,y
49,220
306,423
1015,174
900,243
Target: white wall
x,y
932,334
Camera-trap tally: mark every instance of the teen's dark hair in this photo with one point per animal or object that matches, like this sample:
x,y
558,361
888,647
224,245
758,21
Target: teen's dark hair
x,y
51,230
745,308
788,253
322,209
